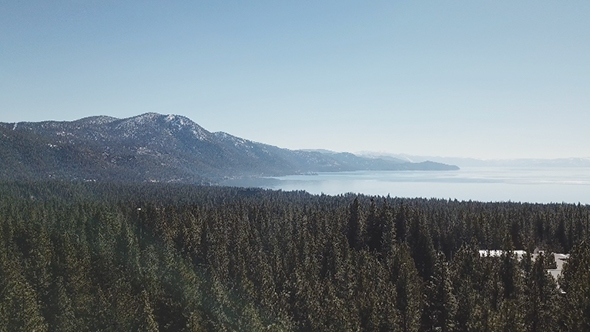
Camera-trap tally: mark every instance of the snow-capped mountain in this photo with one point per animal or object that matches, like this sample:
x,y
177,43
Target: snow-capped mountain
x,y
156,147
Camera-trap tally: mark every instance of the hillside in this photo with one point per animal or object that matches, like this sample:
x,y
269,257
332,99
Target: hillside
x,y
160,148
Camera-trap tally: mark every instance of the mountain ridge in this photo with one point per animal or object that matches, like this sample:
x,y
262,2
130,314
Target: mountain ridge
x,y
475,162
153,147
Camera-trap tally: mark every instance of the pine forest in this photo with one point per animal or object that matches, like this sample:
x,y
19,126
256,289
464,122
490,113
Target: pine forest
x,y
170,257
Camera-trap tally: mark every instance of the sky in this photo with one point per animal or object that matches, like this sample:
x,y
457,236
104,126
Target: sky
x,y
482,79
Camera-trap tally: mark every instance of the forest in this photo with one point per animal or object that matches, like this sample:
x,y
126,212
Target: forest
x,y
78,256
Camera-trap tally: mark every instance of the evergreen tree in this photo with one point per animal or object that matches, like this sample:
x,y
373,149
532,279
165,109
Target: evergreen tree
x,y
355,226
389,237
62,314
146,319
440,305
421,247
540,303
407,288
575,283
166,257
375,226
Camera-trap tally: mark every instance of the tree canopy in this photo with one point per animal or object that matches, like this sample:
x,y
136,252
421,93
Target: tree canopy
x,y
169,257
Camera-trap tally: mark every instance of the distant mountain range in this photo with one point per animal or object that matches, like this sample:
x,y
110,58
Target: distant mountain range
x,y
161,148
473,162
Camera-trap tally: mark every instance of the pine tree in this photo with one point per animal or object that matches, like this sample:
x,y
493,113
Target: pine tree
x,y
389,237
408,288
19,302
420,243
355,227
375,225
540,300
575,282
440,305
64,317
146,319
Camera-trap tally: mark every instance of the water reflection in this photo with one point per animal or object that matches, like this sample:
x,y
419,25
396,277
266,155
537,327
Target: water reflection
x,y
541,185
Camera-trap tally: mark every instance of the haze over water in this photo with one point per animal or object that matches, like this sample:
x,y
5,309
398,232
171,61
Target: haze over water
x,y
516,184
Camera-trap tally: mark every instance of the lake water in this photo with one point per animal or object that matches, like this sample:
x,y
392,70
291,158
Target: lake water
x,y
516,184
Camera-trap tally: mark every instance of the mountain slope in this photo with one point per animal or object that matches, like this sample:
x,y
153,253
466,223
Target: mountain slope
x,y
159,148
473,162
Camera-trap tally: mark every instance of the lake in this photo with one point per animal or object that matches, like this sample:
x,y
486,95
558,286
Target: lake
x,y
516,184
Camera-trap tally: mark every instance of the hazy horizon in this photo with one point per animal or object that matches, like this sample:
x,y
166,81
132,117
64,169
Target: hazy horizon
x,y
484,80
409,156
491,184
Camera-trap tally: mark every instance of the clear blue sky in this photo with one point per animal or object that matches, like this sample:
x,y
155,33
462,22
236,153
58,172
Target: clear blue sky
x,y
487,79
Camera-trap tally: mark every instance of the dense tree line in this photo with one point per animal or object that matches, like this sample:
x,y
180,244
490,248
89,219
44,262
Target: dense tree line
x,y
114,257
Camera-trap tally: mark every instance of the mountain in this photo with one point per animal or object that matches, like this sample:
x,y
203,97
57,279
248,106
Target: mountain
x,y
473,162
160,148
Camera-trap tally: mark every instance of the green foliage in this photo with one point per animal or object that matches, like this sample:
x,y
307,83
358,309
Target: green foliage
x,y
107,257
575,283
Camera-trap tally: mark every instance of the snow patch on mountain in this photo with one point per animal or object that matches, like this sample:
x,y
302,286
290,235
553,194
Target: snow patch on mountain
x,y
96,120
236,141
179,123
